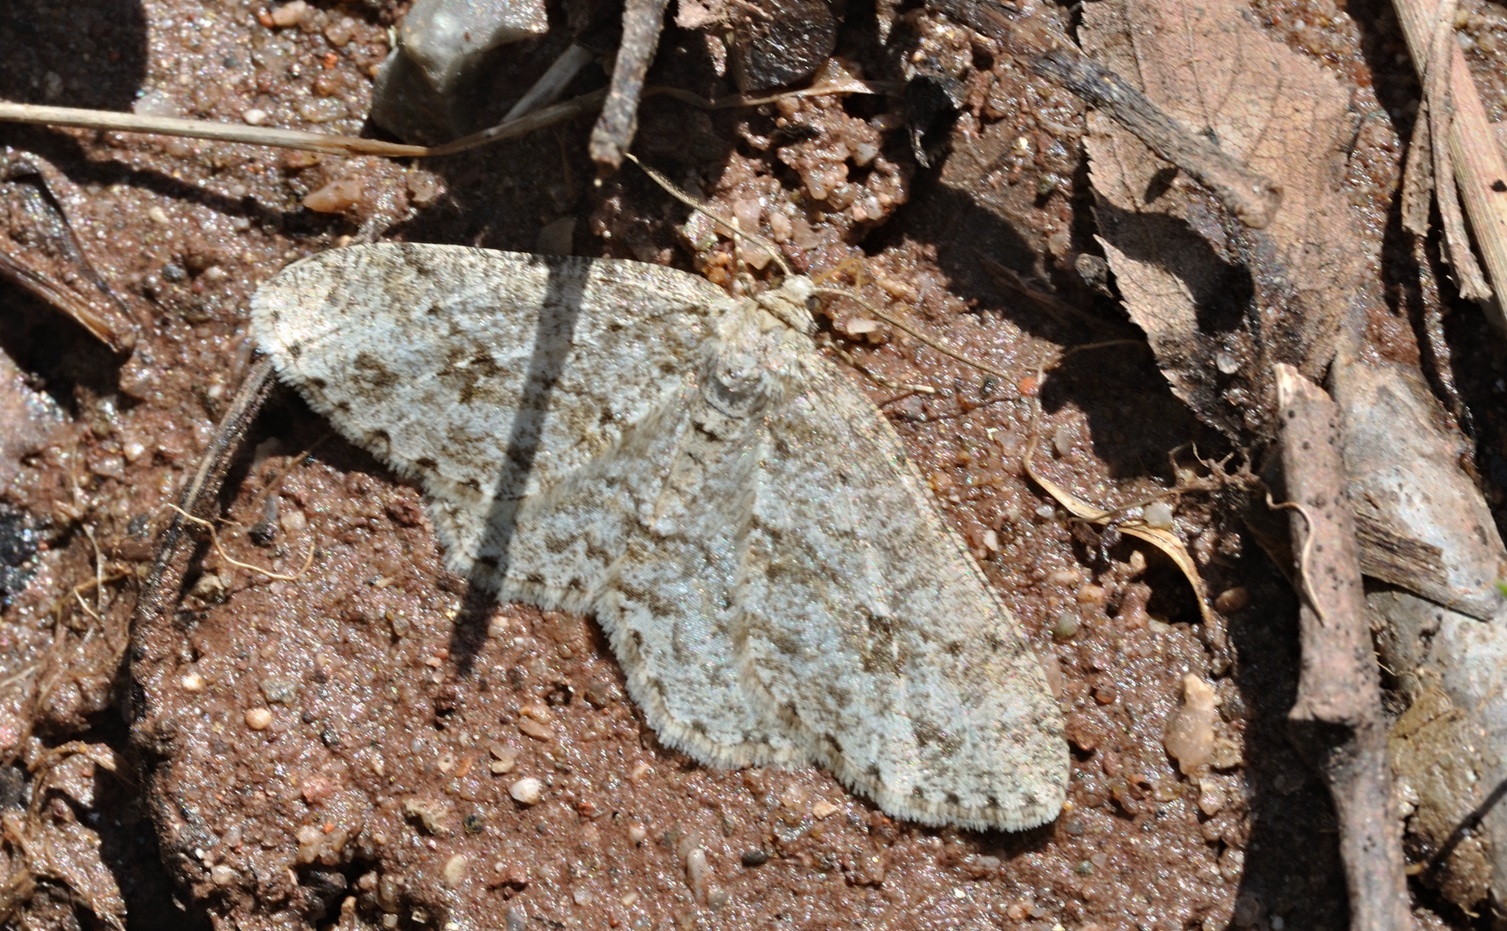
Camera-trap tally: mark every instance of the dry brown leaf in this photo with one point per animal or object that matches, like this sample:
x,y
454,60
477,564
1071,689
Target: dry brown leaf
x,y
1222,304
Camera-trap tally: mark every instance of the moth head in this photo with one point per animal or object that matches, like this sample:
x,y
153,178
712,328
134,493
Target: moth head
x,y
792,303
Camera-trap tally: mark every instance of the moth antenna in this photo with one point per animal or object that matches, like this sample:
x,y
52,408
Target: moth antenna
x,y
911,331
732,228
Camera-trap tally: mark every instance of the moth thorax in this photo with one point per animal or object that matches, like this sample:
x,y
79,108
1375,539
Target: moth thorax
x,y
739,375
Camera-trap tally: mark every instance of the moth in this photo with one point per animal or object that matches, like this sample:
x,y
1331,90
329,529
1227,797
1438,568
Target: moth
x,y
627,441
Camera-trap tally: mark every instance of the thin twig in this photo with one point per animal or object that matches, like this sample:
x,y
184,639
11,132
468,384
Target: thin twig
x,y
613,133
154,640
330,144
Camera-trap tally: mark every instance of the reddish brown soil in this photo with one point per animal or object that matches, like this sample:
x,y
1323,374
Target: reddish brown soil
x,y
338,749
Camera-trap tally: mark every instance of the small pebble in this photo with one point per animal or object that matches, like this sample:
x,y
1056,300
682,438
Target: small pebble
x,y
527,791
340,32
794,797
322,110
455,870
637,832
1158,515
432,814
293,520
1065,627
1062,440
308,837
516,918
1190,733
289,14
535,729
254,116
823,809
1227,754
697,873
193,682
154,102
259,719
504,758
1232,599
335,197
221,875
538,712
1210,797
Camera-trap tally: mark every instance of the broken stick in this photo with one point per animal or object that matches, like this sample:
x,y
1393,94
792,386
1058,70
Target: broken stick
x,y
1337,720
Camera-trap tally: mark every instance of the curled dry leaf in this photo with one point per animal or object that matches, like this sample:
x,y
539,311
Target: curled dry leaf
x,y
1162,538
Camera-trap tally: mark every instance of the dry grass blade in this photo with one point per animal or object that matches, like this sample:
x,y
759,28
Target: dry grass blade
x,y
325,143
330,144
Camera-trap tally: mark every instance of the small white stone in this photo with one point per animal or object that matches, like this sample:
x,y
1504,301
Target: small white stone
x,y
527,791
697,873
289,14
455,870
1158,515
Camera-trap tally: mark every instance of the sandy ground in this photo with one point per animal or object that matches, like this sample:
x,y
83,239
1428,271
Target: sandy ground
x,y
337,749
